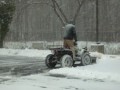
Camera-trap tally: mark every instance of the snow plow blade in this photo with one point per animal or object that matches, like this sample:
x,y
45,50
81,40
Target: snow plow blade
x,y
93,59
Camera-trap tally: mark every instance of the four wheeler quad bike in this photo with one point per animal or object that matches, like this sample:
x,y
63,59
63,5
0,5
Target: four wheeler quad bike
x,y
63,56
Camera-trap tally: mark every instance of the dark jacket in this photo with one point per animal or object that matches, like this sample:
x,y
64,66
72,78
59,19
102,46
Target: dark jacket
x,y
70,32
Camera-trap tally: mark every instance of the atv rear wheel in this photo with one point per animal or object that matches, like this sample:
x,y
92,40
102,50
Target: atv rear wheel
x,y
49,61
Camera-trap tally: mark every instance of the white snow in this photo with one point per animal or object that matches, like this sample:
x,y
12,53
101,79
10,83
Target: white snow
x,y
103,75
3,2
106,69
24,52
68,26
109,48
43,82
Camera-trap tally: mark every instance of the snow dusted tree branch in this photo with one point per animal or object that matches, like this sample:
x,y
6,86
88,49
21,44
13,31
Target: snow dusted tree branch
x,y
57,9
58,12
80,3
61,11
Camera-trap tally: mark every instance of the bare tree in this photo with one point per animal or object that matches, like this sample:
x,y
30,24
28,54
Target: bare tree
x,y
57,9
59,12
7,9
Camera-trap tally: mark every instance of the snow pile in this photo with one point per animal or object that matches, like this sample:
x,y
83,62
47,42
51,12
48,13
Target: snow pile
x,y
77,73
106,69
96,54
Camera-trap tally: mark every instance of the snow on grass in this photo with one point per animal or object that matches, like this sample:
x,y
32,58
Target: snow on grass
x,y
110,48
24,52
34,52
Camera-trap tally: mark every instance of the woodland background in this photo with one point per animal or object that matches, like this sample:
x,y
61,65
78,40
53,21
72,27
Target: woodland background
x,y
38,22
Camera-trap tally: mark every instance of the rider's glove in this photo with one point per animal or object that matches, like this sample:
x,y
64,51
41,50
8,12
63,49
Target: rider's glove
x,y
75,43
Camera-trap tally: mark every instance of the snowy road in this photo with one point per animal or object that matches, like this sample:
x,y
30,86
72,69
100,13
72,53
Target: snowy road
x,y
17,65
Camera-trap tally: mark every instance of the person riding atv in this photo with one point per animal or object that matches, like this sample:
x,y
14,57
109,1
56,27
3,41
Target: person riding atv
x,y
69,54
70,38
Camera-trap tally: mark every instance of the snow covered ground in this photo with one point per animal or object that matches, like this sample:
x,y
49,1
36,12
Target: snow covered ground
x,y
109,47
104,75
24,52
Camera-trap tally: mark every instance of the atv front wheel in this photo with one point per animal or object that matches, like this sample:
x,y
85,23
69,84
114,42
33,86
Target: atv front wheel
x,y
66,61
86,59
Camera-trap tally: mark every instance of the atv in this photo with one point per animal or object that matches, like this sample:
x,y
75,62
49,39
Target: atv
x,y
64,57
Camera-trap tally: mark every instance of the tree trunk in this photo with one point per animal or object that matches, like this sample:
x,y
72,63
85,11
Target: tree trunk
x,y
1,43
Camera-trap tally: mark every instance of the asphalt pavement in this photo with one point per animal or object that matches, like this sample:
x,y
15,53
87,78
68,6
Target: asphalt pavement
x,y
19,65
